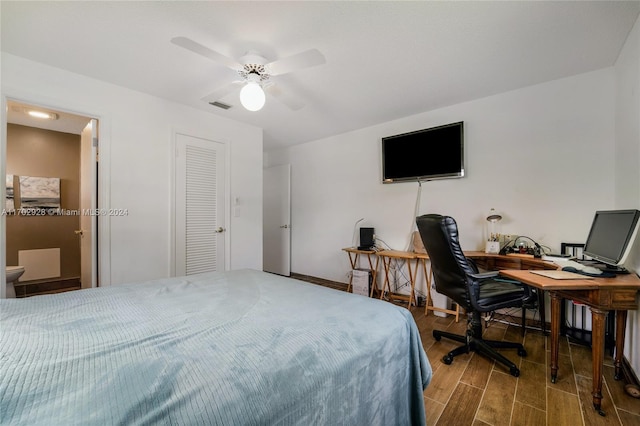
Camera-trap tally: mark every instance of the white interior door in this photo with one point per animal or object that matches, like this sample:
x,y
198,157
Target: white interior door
x,y
277,220
88,202
200,205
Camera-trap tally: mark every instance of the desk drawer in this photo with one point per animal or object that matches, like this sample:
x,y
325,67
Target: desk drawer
x,y
495,263
536,264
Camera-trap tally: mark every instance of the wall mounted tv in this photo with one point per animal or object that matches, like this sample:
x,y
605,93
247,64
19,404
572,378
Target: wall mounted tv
x,y
433,153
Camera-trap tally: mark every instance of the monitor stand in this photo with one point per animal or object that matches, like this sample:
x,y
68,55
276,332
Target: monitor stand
x,y
611,269
604,267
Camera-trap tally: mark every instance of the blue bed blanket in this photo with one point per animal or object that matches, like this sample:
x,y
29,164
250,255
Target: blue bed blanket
x,y
234,348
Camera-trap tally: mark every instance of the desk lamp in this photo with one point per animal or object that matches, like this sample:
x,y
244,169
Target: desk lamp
x,y
493,240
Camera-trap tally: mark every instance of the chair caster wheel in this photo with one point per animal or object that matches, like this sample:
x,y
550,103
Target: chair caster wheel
x,y
514,371
522,352
436,336
447,359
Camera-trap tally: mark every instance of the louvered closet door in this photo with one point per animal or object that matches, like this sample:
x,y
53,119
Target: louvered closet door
x,y
199,206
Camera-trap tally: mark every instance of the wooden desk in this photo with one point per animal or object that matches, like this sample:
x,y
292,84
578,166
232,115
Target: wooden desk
x,y
601,295
354,253
496,262
387,256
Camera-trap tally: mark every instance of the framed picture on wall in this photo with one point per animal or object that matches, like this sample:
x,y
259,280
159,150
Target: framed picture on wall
x,y
39,193
9,204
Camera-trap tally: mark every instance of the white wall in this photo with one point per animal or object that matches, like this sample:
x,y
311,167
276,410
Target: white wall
x,y
137,133
627,161
542,155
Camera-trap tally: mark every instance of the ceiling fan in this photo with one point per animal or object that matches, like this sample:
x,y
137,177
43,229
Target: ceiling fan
x,y
255,73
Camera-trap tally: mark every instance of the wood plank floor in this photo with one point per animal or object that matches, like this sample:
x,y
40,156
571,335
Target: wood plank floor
x,y
476,391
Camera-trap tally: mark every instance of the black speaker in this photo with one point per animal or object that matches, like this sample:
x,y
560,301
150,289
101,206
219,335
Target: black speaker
x,y
366,239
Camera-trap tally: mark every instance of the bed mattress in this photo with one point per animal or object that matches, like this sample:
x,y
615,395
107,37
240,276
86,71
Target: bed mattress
x,y
235,348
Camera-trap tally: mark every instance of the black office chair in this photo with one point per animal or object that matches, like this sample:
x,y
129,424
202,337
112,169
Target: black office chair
x,y
458,278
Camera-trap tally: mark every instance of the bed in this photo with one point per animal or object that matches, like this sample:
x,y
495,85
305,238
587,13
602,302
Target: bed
x,y
233,348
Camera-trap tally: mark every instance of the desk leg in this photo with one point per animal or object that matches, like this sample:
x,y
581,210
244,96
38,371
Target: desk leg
x,y
427,279
374,275
412,283
385,263
555,333
621,326
541,309
597,353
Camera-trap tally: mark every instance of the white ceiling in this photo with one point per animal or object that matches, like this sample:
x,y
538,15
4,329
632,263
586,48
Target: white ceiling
x,y
385,60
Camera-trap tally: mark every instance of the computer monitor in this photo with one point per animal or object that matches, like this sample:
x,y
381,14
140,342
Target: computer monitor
x,y
611,236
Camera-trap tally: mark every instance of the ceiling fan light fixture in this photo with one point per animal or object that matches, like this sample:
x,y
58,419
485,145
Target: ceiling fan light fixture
x,y
252,96
254,71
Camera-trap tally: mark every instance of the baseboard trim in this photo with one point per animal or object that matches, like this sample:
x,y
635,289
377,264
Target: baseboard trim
x,y
46,281
46,286
315,280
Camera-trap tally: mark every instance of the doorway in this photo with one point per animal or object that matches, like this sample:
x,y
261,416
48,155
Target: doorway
x,y
277,220
52,158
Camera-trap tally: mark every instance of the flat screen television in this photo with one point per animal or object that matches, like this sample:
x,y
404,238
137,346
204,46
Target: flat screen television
x,y
433,153
611,236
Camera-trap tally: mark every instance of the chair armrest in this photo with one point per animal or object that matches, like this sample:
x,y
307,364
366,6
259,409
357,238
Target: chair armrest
x,y
509,280
485,275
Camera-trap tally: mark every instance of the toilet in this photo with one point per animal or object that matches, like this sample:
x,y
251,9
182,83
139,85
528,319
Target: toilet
x,y
13,273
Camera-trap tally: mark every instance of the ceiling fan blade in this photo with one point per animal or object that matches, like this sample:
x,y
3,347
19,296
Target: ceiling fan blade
x,y
307,59
290,101
206,52
223,91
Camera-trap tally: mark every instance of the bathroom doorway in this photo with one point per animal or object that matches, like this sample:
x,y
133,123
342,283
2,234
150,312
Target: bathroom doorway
x,y
51,177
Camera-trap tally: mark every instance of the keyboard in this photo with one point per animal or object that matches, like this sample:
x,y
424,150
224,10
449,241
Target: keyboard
x,y
561,275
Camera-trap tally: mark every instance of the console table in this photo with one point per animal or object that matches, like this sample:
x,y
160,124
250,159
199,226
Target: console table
x,y
387,256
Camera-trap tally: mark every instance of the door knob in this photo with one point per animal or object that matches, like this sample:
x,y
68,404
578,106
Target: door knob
x,y
79,232
219,230
284,226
